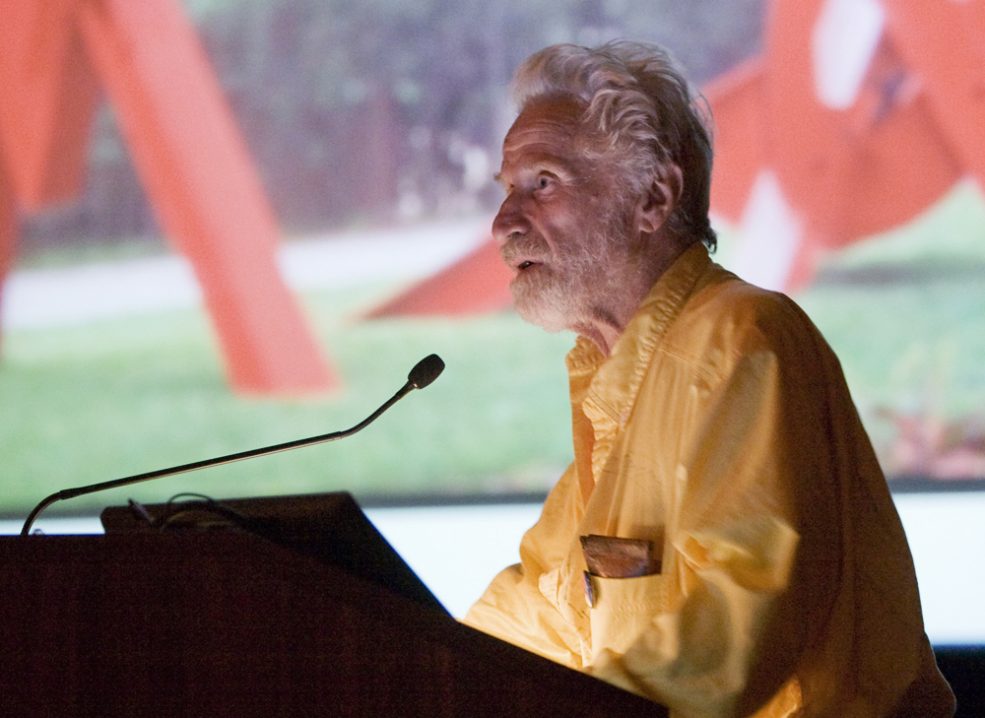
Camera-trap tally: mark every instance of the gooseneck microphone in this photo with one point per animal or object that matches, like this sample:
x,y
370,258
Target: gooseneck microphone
x,y
423,373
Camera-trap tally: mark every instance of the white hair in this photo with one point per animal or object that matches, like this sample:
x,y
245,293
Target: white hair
x,y
637,98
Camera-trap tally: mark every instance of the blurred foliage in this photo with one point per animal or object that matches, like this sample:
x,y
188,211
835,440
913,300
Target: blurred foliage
x,y
383,109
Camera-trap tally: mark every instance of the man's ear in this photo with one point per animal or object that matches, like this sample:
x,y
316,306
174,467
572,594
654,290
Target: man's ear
x,y
660,200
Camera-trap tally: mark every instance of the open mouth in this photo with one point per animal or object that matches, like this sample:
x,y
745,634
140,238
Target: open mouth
x,y
521,259
526,265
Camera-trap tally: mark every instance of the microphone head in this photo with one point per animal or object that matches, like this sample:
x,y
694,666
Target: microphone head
x,y
425,371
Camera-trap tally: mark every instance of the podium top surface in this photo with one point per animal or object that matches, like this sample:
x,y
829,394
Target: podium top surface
x,y
329,527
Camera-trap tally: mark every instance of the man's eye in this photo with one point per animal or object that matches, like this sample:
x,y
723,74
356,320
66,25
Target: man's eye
x,y
544,181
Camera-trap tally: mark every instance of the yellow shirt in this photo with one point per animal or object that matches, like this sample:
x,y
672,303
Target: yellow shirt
x,y
721,428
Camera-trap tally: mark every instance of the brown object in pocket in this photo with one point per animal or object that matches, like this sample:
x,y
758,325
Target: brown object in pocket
x,y
614,557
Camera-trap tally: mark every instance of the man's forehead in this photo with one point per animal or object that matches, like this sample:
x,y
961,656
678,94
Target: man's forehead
x,y
560,110
547,126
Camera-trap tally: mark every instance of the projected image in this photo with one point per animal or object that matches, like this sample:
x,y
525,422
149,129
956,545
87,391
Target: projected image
x,y
226,225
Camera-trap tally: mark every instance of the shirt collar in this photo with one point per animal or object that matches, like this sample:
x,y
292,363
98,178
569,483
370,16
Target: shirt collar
x,y
606,387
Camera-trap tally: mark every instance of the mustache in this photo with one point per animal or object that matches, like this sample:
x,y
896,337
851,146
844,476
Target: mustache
x,y
523,248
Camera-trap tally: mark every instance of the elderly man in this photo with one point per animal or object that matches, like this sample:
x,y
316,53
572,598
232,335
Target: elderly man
x,y
724,541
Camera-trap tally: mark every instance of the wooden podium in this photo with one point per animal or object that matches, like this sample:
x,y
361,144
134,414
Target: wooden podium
x,y
231,623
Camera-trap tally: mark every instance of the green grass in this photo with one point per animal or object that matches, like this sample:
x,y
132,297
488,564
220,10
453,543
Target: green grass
x,y
905,311
123,397
114,398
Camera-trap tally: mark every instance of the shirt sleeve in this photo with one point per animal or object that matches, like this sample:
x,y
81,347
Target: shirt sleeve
x,y
512,609
718,633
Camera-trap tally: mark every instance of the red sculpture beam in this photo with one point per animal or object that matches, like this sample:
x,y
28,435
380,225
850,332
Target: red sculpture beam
x,y
477,282
950,54
186,149
48,95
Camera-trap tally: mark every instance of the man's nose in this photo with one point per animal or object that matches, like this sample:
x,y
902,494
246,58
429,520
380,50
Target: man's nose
x,y
509,221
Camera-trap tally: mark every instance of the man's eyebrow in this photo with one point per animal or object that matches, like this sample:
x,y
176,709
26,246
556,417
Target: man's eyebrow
x,y
559,169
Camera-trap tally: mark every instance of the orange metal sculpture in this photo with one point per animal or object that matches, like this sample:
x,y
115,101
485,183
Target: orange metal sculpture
x,y
187,151
477,282
858,116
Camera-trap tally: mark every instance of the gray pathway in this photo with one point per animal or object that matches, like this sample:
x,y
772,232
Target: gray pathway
x,y
63,296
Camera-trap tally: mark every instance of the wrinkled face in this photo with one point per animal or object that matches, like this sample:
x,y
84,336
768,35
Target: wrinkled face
x,y
560,229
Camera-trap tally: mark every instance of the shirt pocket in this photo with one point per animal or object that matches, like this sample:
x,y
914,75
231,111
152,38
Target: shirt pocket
x,y
624,609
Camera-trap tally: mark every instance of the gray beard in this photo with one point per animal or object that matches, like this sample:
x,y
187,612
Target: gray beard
x,y
581,290
552,301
